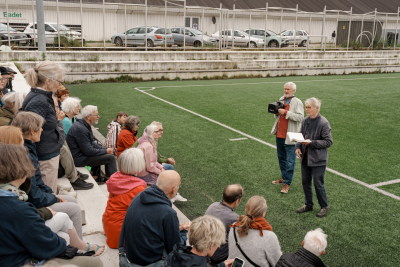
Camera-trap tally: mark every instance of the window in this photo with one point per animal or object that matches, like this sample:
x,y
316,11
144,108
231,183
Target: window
x,y
252,32
132,31
187,22
239,34
60,26
48,28
260,32
160,31
187,32
299,33
176,30
141,31
288,33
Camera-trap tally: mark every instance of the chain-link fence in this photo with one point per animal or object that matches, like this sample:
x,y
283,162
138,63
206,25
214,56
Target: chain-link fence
x,y
175,25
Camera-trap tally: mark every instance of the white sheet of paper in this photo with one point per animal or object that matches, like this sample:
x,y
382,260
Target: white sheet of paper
x,y
297,137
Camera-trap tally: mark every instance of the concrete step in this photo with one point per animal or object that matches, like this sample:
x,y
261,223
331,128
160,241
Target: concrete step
x,y
110,258
249,65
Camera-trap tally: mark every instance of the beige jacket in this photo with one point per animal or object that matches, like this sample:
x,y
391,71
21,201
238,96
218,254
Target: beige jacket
x,y
295,116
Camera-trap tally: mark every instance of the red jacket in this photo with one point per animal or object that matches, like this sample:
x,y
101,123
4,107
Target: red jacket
x,y
126,139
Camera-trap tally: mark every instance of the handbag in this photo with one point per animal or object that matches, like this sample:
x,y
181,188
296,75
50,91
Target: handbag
x,y
238,246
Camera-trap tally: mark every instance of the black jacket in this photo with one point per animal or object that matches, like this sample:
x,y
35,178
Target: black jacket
x,y
182,256
150,226
40,195
80,141
41,102
302,258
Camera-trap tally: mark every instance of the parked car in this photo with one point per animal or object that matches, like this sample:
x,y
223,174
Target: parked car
x,y
272,39
136,36
193,37
240,39
16,37
52,33
301,37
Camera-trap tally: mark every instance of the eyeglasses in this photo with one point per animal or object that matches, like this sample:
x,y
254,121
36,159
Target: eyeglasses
x,y
97,115
161,130
156,131
2,80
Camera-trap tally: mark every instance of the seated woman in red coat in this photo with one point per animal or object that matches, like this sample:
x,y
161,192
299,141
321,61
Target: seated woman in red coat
x,y
127,136
122,186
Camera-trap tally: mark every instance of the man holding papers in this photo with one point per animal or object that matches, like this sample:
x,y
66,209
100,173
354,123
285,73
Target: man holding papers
x,y
314,155
288,119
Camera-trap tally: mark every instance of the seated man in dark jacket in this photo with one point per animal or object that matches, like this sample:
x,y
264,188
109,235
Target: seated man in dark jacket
x,y
85,151
313,246
151,227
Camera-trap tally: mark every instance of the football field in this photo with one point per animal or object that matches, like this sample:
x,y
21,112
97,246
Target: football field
x,y
218,132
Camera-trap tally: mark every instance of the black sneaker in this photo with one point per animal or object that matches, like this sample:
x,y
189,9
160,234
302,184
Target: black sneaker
x,y
82,176
80,184
101,179
305,208
322,212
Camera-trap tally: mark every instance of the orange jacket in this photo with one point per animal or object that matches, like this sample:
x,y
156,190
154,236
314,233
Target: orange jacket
x,y
126,139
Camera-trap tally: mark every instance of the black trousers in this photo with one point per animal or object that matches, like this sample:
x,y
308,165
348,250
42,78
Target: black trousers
x,y
107,160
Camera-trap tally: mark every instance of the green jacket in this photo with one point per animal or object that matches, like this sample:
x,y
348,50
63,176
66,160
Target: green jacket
x,y
161,159
5,116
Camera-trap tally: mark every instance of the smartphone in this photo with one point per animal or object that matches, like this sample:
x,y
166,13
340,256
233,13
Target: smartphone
x,y
238,262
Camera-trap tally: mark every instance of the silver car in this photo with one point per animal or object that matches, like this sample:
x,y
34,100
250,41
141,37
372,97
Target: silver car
x,y
51,32
301,37
193,37
240,38
272,39
155,37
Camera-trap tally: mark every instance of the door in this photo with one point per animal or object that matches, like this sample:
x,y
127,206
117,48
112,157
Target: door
x,y
51,33
130,36
299,37
289,36
240,39
178,37
138,38
189,37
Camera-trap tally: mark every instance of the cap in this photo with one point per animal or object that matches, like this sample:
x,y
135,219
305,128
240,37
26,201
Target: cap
x,y
10,70
3,71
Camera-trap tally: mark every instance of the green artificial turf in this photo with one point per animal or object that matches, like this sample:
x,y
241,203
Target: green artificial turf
x,y
361,228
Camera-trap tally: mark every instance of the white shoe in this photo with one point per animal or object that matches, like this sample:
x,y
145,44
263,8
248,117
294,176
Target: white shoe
x,y
65,193
64,187
178,197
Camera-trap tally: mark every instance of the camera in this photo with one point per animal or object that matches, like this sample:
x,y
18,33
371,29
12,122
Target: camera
x,y
273,107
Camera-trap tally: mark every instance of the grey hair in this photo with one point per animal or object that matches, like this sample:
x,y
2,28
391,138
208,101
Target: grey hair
x,y
88,110
15,98
69,104
315,241
156,123
131,161
28,121
149,130
206,231
43,71
131,122
291,84
314,101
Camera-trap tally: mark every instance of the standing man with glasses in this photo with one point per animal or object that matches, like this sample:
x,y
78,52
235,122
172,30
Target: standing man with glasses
x,y
288,119
314,155
85,151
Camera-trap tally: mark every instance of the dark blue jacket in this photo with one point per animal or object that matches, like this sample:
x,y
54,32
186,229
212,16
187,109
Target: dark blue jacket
x,y
150,225
182,256
41,102
80,141
40,194
23,234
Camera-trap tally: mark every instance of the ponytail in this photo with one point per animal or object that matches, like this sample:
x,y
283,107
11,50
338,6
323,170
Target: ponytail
x,y
256,206
38,75
245,224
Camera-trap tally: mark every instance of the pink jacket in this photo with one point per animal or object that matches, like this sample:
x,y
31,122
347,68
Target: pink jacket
x,y
150,156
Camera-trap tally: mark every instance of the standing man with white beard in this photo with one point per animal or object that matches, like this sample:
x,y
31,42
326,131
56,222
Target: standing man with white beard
x,y
288,119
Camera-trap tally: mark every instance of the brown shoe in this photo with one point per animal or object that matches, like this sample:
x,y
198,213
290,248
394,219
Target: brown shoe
x,y
305,208
285,189
280,181
322,212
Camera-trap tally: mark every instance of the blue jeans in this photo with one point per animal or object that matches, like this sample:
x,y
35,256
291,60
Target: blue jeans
x,y
287,159
168,166
317,174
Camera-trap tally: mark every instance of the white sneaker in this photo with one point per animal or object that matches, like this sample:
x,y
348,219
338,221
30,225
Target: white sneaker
x,y
178,197
64,187
65,193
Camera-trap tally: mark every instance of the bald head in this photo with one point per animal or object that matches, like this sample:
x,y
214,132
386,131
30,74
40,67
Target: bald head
x,y
232,193
168,182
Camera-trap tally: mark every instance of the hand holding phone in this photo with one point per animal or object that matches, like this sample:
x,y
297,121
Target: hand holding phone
x,y
238,262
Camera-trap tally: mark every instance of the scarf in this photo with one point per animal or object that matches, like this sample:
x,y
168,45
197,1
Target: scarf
x,y
259,223
9,187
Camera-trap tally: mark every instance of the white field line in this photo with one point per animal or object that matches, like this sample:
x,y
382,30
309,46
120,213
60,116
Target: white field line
x,y
386,183
238,139
224,84
268,144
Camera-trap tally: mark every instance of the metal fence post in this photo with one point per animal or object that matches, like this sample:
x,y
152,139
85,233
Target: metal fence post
x,y
295,28
126,30
309,25
323,26
202,29
249,29
104,25
384,37
337,24
220,27
40,25
81,24
165,25
373,30
397,25
362,27
8,25
280,28
58,27
184,25
145,26
33,25
348,36
265,32
233,29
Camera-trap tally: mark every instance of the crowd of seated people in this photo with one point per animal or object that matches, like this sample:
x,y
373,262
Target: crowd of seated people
x,y
41,139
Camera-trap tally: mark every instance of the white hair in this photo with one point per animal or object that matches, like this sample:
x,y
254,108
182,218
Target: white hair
x,y
70,104
15,98
291,84
131,161
156,123
314,101
149,130
88,110
315,241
